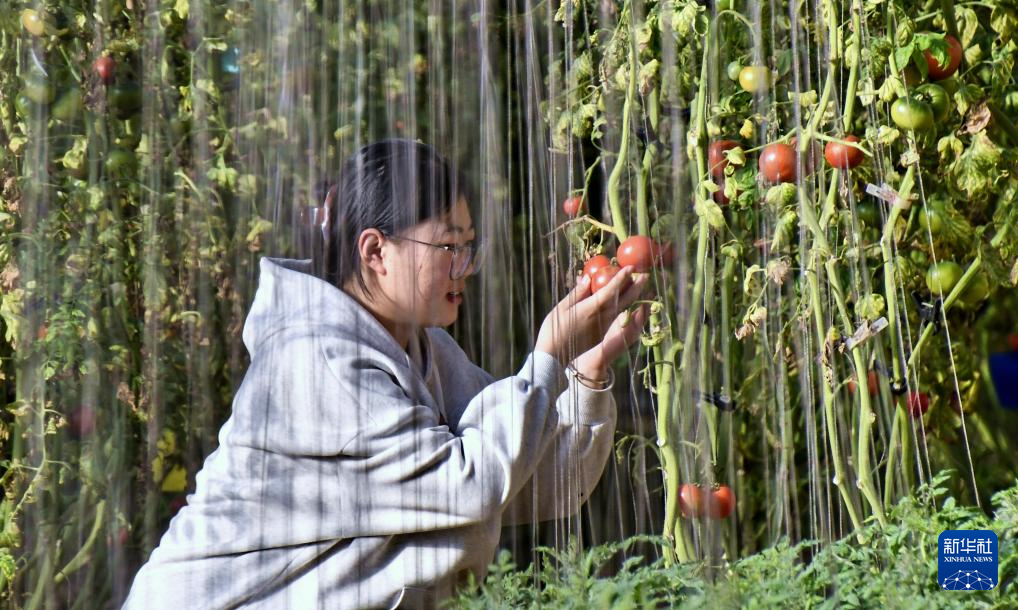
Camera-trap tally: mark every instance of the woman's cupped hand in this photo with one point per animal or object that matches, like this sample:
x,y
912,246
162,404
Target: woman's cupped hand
x,y
590,329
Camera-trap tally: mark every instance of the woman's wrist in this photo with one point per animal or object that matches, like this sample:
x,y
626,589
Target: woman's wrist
x,y
591,372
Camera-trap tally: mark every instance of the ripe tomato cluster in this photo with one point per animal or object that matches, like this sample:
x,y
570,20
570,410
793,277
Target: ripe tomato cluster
x,y
716,503
778,161
638,251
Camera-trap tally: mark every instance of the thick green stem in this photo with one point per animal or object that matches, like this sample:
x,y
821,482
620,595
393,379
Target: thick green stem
x,y
890,276
896,445
84,554
614,197
827,395
703,236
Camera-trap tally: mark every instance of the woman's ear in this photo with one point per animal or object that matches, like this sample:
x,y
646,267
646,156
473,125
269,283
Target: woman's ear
x,y
369,247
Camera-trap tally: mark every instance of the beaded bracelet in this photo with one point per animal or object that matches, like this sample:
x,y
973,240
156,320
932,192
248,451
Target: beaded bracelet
x,y
588,380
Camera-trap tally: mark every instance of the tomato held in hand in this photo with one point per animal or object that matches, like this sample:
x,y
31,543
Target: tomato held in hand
x,y
938,71
777,163
843,156
716,160
595,264
690,500
754,79
720,502
603,277
917,403
572,205
942,276
103,68
910,113
638,251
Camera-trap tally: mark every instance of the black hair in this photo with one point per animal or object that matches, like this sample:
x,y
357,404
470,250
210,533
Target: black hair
x,y
390,185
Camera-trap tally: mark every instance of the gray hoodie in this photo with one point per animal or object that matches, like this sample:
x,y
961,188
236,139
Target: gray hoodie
x,y
353,474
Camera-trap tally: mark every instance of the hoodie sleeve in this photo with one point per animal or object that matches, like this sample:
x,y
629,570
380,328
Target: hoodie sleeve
x,y
574,461
403,472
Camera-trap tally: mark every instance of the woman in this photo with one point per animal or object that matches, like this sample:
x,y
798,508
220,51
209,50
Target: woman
x,y
367,462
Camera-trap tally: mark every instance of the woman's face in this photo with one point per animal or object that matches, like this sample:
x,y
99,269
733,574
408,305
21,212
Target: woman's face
x,y
417,282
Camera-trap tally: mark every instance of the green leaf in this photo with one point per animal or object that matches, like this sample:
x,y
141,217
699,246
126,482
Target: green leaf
x,y
871,307
1004,21
903,54
976,169
710,211
781,194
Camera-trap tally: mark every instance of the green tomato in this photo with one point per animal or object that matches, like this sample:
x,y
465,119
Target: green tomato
x,y
733,70
124,100
942,276
868,213
931,218
24,106
937,98
976,291
754,78
910,113
38,89
119,161
950,85
69,107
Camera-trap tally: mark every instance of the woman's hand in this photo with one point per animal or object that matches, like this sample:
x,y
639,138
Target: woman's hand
x,y
595,327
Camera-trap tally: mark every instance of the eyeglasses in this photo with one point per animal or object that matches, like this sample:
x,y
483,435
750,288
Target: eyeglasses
x,y
465,259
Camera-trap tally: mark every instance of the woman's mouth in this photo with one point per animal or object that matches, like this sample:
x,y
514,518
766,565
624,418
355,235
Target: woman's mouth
x,y
454,297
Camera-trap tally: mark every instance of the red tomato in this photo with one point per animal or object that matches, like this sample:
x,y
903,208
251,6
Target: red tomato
x,y
104,69
918,403
572,205
841,155
690,500
720,502
938,71
716,160
638,251
872,383
777,163
603,276
592,266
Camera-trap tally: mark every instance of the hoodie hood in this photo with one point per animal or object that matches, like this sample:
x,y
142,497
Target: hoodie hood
x,y
289,298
